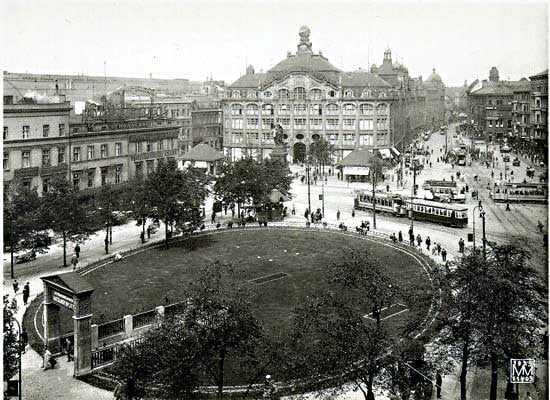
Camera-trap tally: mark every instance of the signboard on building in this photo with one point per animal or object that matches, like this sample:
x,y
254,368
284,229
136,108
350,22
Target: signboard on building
x,y
64,300
154,154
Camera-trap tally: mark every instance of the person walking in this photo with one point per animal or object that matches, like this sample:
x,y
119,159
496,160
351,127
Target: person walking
x,y
438,383
419,239
508,207
306,213
213,218
428,242
26,293
15,286
338,215
69,350
77,250
293,210
106,242
444,255
24,340
74,261
438,248
400,236
461,245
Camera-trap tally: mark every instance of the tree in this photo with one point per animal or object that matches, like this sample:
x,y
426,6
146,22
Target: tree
x,y
24,227
320,151
174,195
136,199
108,199
377,166
11,344
220,315
65,213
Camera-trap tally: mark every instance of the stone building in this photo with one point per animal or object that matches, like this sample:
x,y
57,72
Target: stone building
x,y
539,115
521,127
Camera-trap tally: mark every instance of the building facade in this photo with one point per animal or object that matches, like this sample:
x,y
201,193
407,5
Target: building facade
x,y
206,124
539,116
521,126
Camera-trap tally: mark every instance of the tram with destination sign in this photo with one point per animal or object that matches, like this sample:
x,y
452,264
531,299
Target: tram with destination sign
x,y
453,215
520,192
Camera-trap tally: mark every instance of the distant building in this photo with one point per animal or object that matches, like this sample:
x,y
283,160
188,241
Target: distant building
x,y
539,115
521,126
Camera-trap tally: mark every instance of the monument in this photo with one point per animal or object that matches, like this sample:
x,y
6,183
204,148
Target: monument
x,y
280,151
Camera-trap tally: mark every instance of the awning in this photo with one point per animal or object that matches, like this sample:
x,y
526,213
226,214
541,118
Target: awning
x,y
356,170
396,152
385,153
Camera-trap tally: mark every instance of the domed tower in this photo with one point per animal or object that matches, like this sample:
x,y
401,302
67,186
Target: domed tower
x,y
304,46
387,57
250,70
493,74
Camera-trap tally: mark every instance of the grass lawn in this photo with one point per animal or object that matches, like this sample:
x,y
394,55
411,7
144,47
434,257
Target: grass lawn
x,y
281,266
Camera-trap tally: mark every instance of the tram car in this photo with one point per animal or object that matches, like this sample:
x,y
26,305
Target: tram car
x,y
444,191
520,192
386,202
421,210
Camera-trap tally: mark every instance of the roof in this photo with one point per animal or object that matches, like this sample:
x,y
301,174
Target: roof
x,y
499,88
304,63
357,158
70,281
540,75
249,80
202,152
363,78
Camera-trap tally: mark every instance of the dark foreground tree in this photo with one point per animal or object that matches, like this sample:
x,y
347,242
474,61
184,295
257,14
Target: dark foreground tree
x,y
11,344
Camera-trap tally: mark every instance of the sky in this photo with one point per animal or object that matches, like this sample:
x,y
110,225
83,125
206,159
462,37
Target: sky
x,y
199,39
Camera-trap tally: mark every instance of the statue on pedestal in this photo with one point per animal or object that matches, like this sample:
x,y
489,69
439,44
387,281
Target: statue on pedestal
x,y
280,151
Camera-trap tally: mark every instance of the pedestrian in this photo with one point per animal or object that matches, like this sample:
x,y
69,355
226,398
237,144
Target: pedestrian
x,y
213,218
419,239
430,164
326,179
24,340
400,236
501,175
438,383
434,250
306,213
106,242
353,213
461,245
444,255
225,209
77,250
15,286
428,242
467,187
293,210
452,166
69,350
508,207
338,215
74,261
49,361
26,293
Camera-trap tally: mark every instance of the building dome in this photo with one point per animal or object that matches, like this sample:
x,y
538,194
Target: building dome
x,y
249,70
435,78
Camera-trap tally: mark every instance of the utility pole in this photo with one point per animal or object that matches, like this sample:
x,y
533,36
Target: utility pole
x,y
482,214
323,186
413,191
308,188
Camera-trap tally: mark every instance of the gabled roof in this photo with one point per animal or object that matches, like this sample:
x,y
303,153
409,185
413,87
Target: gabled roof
x,y
202,152
70,281
249,81
362,78
357,158
540,74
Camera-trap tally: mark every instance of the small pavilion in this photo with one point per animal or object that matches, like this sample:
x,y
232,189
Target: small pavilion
x,y
201,156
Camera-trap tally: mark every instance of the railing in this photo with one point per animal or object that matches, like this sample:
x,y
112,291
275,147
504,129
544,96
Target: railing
x,y
144,318
110,328
109,354
174,309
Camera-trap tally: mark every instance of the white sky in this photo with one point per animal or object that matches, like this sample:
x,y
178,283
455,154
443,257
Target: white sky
x,y
196,39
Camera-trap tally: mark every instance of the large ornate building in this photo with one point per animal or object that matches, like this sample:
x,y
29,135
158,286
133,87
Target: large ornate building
x,y
311,98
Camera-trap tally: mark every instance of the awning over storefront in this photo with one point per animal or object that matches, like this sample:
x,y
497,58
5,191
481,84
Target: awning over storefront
x,y
356,170
395,151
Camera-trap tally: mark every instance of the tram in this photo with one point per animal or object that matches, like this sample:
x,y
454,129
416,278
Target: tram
x,y
421,210
520,192
444,191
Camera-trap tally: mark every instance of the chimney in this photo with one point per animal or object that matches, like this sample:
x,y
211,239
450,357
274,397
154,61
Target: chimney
x,y
484,82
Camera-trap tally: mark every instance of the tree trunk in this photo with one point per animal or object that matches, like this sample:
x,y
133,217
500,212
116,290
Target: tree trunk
x,y
166,233
11,264
64,248
110,234
464,369
494,377
106,241
143,230
373,202
221,365
370,393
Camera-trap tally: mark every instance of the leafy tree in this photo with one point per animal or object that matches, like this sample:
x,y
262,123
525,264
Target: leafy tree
x,y
108,199
11,344
65,213
174,195
24,226
320,151
136,199
220,315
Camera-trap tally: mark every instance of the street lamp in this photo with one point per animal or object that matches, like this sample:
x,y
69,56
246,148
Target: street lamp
x,y
482,216
480,207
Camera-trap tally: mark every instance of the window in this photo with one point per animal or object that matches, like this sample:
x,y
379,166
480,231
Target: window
x,y
349,109
331,93
365,140
332,123
252,109
251,94
76,180
490,123
300,109
299,93
348,94
76,154
315,94
138,147
104,151
267,93
267,123
252,136
382,109
316,123
537,105
160,145
285,122
332,109
366,94
499,102
299,123
139,168
332,138
91,174
149,146
236,94
236,109
349,139
6,161
382,123
366,124
5,132
267,137
45,130
91,152
237,123
45,185
46,157
26,130
284,109
267,109
104,173
237,137
316,109
150,166
349,124
60,155
283,93
118,174
252,123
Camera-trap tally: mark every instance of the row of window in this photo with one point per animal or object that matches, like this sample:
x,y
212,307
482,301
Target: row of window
x,y
314,109
26,129
347,139
314,123
300,93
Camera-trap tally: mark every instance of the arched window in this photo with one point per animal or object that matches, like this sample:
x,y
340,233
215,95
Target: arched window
x,y
236,94
236,109
366,93
251,94
331,93
283,93
267,109
332,109
252,109
382,109
348,94
316,109
284,109
315,94
299,93
366,109
537,103
382,94
349,109
267,93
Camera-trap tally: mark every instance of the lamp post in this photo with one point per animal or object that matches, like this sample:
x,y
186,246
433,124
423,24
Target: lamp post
x,y
480,207
482,215
308,188
413,191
